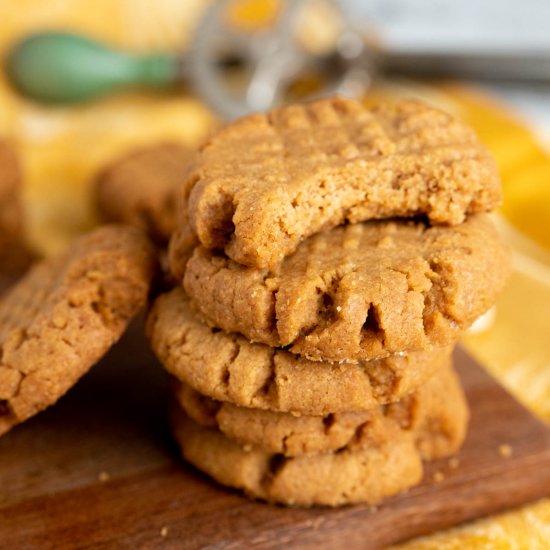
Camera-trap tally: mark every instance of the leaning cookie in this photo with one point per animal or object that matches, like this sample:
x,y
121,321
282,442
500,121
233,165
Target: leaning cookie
x,y
61,317
358,292
227,367
140,188
10,199
264,183
327,479
437,415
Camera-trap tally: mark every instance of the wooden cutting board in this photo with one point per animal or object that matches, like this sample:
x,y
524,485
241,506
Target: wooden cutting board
x,y
100,470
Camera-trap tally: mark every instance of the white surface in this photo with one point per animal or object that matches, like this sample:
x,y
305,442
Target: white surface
x,y
456,25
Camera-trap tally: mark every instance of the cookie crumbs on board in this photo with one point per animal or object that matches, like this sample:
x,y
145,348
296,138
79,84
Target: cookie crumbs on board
x,y
505,451
315,523
221,290
164,531
454,463
438,477
103,477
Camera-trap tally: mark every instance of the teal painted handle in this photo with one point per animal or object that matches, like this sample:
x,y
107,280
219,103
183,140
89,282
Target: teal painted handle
x,y
64,68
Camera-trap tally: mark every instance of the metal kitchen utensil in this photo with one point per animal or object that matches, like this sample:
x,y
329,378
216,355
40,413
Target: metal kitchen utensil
x,y
236,70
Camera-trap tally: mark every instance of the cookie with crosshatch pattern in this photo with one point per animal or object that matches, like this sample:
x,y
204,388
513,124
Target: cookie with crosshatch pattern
x,y
264,183
358,292
64,315
438,408
367,474
227,367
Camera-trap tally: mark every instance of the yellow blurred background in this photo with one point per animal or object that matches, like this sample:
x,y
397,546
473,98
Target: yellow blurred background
x,y
61,149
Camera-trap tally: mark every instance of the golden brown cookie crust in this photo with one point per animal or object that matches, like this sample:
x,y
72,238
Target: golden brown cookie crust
x,y
267,181
329,479
358,292
180,248
10,201
140,188
61,317
437,415
227,367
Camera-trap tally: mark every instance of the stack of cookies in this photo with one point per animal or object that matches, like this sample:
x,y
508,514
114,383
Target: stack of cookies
x,y
329,257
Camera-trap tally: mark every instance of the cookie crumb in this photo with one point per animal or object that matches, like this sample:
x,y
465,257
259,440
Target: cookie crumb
x,y
454,463
164,531
505,451
315,523
438,477
103,477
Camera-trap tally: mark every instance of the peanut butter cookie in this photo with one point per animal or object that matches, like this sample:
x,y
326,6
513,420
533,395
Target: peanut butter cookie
x,y
358,292
368,474
65,313
266,182
140,188
227,367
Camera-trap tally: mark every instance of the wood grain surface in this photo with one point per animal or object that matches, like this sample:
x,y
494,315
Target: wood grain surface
x,y
100,470
15,258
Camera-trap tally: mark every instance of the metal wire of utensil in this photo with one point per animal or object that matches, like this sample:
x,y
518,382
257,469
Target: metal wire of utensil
x,y
237,70
276,59
271,60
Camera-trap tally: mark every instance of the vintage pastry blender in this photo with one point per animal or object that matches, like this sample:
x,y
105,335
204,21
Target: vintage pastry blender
x,y
237,70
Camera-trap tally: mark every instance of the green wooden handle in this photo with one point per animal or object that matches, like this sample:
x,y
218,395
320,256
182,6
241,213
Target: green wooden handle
x,y
64,68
